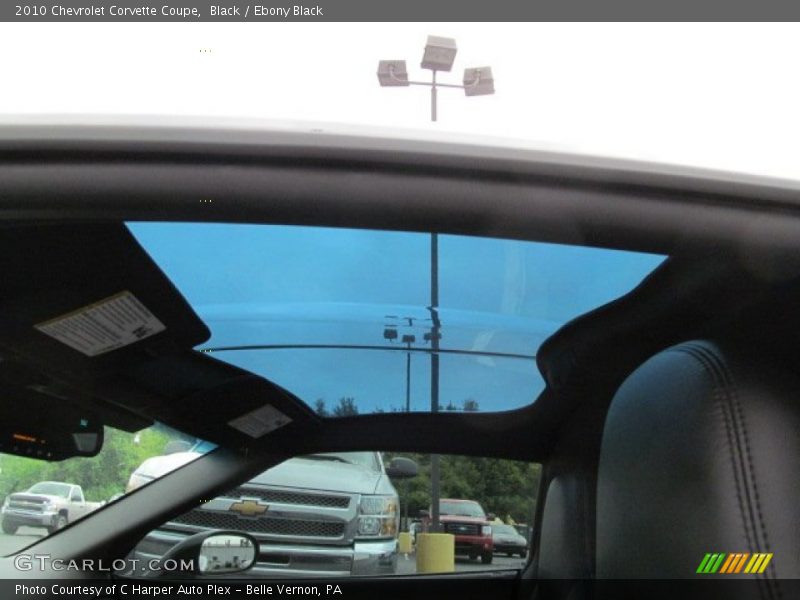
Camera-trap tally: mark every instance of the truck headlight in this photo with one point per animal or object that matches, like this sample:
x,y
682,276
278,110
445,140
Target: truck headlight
x,y
486,530
369,526
377,516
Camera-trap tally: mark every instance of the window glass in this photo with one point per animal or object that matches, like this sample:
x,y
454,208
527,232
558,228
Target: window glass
x,y
39,498
49,488
355,514
357,321
461,508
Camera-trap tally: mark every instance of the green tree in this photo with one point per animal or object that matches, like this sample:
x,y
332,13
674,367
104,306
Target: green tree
x,y
471,405
320,408
503,487
100,476
346,407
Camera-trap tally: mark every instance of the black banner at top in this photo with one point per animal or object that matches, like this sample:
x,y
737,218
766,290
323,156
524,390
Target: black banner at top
x,y
259,11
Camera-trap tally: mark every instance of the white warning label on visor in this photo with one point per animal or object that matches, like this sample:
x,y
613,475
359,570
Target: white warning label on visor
x,y
103,326
260,422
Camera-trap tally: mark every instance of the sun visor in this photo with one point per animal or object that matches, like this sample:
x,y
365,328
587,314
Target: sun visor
x,y
218,402
86,316
87,299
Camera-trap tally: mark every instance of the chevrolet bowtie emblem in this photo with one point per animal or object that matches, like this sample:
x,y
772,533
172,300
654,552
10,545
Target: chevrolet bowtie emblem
x,y
248,508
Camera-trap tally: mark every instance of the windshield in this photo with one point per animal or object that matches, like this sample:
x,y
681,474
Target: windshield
x,y
461,509
51,489
364,459
504,529
120,467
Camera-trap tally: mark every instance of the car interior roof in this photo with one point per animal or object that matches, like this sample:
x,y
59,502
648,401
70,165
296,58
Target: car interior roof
x,y
720,239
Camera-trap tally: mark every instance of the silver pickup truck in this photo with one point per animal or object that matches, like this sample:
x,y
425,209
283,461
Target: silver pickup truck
x,y
330,515
48,504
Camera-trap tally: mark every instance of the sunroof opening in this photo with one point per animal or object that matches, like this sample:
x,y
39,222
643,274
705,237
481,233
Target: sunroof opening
x,y
364,321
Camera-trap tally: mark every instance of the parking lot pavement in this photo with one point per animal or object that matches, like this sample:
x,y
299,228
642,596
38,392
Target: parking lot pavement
x,y
408,566
24,537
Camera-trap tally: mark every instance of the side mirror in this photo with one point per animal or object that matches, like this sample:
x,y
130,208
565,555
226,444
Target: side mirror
x,y
491,517
402,468
211,553
226,554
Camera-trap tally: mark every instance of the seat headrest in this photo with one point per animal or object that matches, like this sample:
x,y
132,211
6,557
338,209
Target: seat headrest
x,y
701,454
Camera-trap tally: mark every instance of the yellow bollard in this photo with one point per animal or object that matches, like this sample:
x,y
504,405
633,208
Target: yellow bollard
x,y
435,553
404,542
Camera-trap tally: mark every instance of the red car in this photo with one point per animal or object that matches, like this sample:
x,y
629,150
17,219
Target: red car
x,y
470,525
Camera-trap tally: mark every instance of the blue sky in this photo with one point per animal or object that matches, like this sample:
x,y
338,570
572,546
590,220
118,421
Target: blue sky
x,y
287,285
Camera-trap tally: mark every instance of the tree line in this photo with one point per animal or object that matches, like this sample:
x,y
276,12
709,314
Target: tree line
x,y
505,488
101,476
347,407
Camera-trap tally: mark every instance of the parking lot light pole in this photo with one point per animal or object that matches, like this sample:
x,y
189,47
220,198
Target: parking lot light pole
x,y
390,334
435,335
408,339
440,53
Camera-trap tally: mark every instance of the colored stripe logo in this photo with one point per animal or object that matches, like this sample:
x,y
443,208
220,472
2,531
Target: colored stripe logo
x,y
736,562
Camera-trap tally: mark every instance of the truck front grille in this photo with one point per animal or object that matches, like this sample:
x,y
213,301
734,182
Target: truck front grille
x,y
27,505
290,527
462,528
284,497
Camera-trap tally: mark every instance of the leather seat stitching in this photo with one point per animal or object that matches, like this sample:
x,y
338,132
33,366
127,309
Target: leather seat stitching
x,y
771,573
748,472
719,396
723,395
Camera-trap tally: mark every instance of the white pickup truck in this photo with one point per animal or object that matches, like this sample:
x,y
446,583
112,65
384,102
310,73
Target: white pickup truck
x,y
330,514
48,504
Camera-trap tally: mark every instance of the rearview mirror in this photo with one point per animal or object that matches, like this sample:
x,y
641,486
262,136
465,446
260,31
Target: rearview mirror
x,y
38,426
402,468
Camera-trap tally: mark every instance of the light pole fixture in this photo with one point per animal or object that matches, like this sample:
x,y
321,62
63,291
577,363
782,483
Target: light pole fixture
x,y
408,339
439,55
390,334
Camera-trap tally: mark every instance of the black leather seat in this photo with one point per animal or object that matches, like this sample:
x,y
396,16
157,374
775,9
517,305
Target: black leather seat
x,y
701,454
